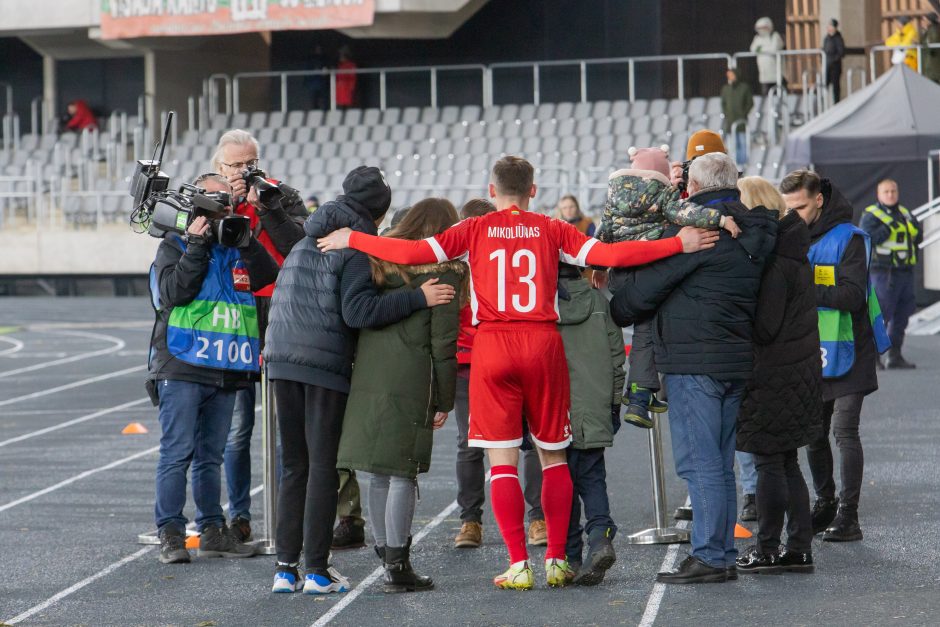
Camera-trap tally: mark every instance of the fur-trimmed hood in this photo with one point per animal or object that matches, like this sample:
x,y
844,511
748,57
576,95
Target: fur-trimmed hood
x,y
390,275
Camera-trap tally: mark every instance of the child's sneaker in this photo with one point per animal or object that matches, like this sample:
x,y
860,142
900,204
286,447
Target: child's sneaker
x,y
319,583
557,572
286,578
657,406
517,577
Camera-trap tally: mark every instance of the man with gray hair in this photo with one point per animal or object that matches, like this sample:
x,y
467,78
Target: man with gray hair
x,y
277,223
703,309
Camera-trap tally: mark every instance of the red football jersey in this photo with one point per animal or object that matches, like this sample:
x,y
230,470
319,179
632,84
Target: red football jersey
x,y
513,257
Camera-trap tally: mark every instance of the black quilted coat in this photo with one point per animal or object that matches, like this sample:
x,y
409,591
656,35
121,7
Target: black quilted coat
x,y
704,302
782,407
321,299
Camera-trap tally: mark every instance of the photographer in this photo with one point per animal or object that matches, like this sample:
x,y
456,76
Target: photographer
x,y
276,218
204,347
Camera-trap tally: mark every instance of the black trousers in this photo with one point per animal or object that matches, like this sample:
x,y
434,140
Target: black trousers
x,y
842,415
310,419
781,491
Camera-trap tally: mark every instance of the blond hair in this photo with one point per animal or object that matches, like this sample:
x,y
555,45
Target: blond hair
x,y
756,190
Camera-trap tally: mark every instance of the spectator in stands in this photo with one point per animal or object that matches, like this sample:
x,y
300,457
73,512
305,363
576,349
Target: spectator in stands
x,y
589,334
192,277
319,84
895,234
839,255
79,117
320,300
834,47
471,472
312,203
931,56
736,104
905,35
346,80
766,44
277,225
704,348
569,210
392,412
782,406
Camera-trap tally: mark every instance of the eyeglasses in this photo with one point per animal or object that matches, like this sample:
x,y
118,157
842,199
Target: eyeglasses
x,y
241,165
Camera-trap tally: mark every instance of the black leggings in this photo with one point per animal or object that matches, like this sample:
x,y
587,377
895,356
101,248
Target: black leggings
x,y
842,415
781,491
311,421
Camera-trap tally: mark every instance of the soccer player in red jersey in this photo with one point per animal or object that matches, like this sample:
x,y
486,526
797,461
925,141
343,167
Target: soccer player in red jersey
x,y
518,358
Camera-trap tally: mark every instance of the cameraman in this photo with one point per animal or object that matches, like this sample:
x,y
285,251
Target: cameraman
x,y
277,225
203,348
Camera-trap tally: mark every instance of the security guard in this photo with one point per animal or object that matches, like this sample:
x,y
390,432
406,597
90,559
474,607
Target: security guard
x,y
895,234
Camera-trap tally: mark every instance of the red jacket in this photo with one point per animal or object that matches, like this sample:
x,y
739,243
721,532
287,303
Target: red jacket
x,y
346,85
83,118
246,209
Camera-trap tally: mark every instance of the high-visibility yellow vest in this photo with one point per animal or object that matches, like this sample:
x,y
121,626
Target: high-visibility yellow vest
x,y
899,249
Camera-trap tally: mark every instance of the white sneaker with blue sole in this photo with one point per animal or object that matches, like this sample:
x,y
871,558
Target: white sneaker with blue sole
x,y
287,580
322,584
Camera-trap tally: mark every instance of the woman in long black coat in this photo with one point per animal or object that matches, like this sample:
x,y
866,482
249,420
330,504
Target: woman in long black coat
x,y
782,407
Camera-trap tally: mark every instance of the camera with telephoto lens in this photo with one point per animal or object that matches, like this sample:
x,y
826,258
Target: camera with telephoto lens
x,y
684,183
161,211
269,194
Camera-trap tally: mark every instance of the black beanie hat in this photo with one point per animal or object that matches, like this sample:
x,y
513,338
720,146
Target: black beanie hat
x,y
368,187
834,22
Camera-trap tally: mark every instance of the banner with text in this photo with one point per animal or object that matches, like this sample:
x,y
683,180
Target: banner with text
x,y
124,19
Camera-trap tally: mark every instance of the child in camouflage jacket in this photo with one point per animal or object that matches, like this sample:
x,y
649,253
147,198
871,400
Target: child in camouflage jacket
x,y
640,204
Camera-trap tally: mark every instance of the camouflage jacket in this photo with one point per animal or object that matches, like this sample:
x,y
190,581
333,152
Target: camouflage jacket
x,y
640,203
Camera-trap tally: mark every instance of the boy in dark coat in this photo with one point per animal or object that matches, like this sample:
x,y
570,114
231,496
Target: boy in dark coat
x,y
320,299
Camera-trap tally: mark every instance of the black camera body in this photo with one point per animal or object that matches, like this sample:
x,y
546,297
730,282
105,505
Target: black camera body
x,y
269,195
684,183
160,211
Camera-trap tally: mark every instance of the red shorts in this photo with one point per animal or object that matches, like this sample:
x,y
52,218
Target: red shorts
x,y
519,367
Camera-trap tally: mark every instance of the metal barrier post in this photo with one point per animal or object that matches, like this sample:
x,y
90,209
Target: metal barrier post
x,y
283,93
660,534
536,93
680,78
434,88
584,94
631,80
382,92
268,464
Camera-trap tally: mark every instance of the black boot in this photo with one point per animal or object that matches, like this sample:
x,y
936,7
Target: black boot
x,y
749,509
399,576
693,570
796,562
380,551
601,556
896,361
824,511
845,527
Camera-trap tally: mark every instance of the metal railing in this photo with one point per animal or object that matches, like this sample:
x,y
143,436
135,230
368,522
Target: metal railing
x,y
873,61
932,207
850,83
779,57
233,105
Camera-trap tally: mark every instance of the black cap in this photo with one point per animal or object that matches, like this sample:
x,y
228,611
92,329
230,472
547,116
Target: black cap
x,y
834,22
368,187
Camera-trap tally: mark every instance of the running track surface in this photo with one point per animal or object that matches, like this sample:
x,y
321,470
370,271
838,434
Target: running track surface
x,y
74,494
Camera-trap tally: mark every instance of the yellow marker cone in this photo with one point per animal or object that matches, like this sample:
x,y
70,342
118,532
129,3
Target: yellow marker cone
x,y
742,532
134,428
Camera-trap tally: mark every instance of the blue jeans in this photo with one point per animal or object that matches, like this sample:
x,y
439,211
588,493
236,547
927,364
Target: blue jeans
x,y
748,472
194,419
238,454
589,476
702,419
740,154
895,290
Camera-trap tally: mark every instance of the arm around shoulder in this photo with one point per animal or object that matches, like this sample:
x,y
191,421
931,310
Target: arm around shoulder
x,y
363,306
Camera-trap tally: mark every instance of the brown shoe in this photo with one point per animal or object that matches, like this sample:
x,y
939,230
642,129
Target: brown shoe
x,y
538,533
470,536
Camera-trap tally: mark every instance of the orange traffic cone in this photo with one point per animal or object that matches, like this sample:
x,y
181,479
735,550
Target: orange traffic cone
x,y
742,532
192,542
134,428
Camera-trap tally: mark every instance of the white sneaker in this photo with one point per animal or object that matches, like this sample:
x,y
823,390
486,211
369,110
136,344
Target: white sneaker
x,y
320,584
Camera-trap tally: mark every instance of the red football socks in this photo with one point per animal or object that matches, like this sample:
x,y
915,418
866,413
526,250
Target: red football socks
x,y
556,503
509,510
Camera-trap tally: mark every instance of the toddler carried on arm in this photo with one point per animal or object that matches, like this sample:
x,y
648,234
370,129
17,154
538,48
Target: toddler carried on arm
x,y
641,203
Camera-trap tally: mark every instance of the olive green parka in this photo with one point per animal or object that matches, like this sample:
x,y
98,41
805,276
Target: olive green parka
x,y
403,374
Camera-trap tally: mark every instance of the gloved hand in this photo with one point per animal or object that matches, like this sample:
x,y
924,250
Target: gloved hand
x,y
615,417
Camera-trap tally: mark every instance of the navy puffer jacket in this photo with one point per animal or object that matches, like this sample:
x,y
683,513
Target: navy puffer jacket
x,y
322,298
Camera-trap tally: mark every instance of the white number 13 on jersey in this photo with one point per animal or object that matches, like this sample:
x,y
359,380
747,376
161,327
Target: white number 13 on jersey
x,y
517,258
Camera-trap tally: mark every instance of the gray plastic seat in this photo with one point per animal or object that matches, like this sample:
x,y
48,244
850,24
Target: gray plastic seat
x,y
291,151
470,113
429,115
371,117
657,107
284,135
273,151
583,110
600,109
545,111
676,107
296,118
641,125
410,115
449,115
360,134
315,118
340,134
584,127
527,112
564,111
333,118
276,119
258,120
352,117
713,105
303,135
310,151
240,120
638,109
695,107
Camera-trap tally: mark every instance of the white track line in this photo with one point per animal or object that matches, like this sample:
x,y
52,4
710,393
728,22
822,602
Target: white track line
x,y
659,589
74,421
78,477
117,344
350,596
107,570
17,345
75,384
